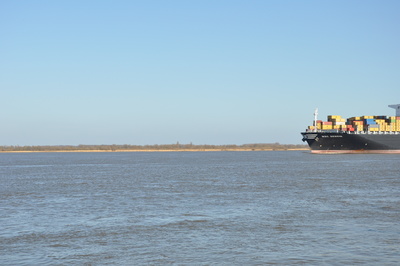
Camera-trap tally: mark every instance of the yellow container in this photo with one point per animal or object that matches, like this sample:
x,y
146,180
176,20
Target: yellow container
x,y
332,117
367,117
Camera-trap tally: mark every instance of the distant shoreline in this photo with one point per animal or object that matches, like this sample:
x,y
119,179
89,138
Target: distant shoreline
x,y
154,148
150,150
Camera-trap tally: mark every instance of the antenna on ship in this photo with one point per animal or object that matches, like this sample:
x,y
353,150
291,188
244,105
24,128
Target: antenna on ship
x,y
316,118
397,107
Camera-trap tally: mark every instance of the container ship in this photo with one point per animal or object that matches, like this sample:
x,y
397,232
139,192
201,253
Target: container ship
x,y
360,134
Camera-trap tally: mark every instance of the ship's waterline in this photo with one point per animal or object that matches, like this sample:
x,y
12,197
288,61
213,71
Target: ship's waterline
x,y
355,151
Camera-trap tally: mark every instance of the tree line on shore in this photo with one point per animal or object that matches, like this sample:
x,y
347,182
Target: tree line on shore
x,y
156,147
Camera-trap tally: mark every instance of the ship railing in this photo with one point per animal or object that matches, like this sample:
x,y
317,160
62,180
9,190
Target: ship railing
x,y
354,132
377,132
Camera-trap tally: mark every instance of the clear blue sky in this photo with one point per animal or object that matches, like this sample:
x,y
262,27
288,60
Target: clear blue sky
x,y
206,72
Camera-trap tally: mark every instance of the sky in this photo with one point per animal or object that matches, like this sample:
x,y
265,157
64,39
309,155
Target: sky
x,y
203,72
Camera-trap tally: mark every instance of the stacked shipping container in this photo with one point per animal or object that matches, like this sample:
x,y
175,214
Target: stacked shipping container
x,y
359,123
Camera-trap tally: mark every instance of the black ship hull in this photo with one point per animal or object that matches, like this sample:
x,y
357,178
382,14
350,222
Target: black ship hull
x,y
343,142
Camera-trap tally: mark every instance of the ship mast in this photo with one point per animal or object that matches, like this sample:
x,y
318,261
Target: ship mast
x,y
315,119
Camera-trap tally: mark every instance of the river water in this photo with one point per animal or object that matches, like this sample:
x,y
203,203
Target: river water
x,y
199,208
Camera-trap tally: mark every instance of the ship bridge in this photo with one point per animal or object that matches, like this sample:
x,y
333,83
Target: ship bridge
x,y
396,107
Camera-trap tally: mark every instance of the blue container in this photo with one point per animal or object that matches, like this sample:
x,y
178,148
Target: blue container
x,y
369,121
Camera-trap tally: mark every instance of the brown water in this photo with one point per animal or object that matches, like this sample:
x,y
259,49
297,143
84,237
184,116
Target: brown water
x,y
199,208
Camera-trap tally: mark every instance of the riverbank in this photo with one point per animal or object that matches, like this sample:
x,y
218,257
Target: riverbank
x,y
154,148
172,150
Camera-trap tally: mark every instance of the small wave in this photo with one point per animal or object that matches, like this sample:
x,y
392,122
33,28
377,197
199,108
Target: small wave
x,y
186,223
